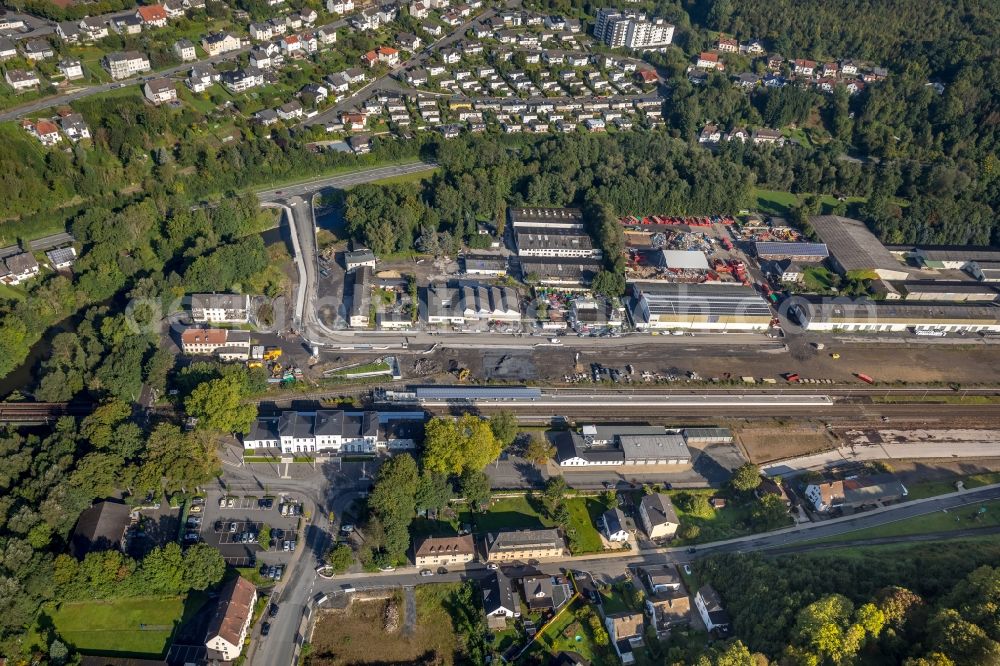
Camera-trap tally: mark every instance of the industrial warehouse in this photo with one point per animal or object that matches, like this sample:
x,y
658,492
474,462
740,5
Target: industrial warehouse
x,y
894,317
701,307
621,445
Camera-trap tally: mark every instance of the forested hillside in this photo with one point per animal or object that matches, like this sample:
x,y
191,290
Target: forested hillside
x,y
919,605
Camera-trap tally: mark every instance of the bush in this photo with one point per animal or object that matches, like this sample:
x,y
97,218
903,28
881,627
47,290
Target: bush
x,y
689,532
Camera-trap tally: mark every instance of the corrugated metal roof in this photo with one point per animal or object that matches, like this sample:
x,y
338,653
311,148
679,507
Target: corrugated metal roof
x,y
477,392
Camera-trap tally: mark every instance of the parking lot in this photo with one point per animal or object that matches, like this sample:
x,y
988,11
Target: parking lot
x,y
232,524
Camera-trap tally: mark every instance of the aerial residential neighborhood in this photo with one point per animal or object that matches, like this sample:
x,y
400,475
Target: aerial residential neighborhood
x,y
529,333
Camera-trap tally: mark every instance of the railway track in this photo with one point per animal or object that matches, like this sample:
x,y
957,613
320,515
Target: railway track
x,y
40,412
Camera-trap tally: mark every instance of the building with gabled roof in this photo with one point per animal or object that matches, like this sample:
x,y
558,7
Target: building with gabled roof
x,y
659,518
445,551
228,628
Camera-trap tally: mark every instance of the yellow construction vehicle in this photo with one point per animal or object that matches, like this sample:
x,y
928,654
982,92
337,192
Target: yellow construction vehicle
x,y
463,374
272,353
255,364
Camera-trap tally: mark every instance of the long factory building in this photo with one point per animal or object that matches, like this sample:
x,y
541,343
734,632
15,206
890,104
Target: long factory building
x,y
698,307
893,316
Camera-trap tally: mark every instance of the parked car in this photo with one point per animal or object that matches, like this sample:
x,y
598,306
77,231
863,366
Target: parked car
x,y
273,610
265,629
198,501
426,572
347,528
687,569
492,566
195,509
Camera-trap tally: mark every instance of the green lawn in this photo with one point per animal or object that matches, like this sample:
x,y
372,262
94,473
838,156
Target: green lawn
x,y
818,279
140,627
778,202
569,632
512,513
582,530
727,523
923,489
963,518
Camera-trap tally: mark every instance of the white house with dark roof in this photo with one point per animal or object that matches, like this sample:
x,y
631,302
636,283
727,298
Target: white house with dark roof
x,y
659,518
613,525
710,608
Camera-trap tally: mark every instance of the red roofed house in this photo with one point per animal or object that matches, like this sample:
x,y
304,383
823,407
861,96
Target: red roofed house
x,y
727,45
646,76
353,122
388,55
154,15
227,630
45,131
370,58
291,45
709,60
804,67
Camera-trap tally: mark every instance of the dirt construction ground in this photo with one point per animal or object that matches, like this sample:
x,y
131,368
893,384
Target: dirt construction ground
x,y
371,631
766,443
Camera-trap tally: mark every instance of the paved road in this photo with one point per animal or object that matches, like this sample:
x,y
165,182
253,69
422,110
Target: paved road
x,y
80,93
341,181
789,540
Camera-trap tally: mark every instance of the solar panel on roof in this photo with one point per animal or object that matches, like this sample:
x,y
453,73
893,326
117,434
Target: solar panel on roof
x,y
766,248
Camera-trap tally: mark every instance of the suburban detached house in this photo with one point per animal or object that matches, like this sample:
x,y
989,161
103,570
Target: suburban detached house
x,y
804,67
220,42
7,49
659,518
44,130
626,633
184,48
201,77
62,257
71,68
73,126
159,91
38,49
20,80
445,551
227,630
709,60
18,268
546,593
127,25
855,493
710,609
153,16
339,6
667,603
499,601
613,525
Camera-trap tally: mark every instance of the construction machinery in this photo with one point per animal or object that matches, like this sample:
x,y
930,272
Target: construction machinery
x,y
272,353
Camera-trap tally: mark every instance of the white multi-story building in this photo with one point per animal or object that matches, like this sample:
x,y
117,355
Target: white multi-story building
x,y
122,65
632,30
334,430
221,42
220,308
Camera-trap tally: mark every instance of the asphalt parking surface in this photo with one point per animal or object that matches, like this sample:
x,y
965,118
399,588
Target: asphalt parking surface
x,y
247,515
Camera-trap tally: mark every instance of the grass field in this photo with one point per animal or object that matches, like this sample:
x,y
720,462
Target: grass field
x,y
923,489
513,513
584,513
963,518
140,627
726,523
777,202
